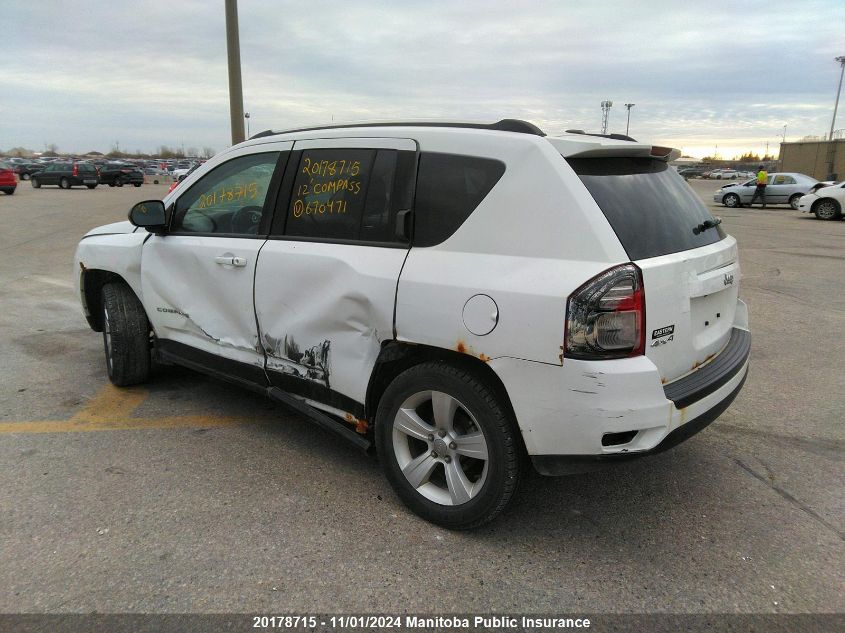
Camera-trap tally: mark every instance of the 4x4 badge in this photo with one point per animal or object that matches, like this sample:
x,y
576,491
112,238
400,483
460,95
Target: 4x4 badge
x,y
729,279
663,331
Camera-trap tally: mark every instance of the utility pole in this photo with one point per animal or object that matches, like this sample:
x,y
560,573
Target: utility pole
x,y
831,146
628,124
236,96
605,113
246,116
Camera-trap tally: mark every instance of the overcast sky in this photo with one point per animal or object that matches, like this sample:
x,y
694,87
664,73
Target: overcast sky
x,y
145,73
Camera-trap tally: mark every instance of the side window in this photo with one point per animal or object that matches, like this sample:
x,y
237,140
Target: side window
x,y
227,200
449,188
329,194
787,180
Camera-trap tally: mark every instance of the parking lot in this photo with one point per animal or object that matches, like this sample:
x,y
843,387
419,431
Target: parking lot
x,y
189,495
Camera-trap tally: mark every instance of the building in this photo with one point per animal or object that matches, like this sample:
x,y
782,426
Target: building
x,y
814,157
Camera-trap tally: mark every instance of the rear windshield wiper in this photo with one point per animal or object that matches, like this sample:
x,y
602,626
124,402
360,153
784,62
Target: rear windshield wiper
x,y
707,224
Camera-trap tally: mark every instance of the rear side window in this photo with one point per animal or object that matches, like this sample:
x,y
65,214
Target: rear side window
x,y
449,188
650,207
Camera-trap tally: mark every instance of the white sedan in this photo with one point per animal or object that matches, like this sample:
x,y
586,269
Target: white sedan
x,y
826,202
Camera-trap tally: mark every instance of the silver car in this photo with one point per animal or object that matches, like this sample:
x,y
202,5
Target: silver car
x,y
783,188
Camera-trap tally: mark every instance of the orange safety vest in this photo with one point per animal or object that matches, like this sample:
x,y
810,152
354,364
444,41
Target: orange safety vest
x,y
762,177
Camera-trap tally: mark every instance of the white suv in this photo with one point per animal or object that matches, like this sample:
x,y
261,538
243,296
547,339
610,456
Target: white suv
x,y
460,297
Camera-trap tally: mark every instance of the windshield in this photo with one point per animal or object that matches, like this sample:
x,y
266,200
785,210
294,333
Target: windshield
x,y
650,207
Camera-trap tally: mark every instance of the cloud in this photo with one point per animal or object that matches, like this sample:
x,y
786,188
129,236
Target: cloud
x,y
149,73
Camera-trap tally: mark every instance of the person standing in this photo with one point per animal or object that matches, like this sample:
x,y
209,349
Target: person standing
x,y
760,190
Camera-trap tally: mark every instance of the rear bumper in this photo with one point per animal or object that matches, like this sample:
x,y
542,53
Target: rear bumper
x,y
557,465
584,413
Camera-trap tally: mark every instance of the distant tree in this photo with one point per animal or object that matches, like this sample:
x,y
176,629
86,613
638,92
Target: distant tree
x,y
207,152
20,152
52,150
192,151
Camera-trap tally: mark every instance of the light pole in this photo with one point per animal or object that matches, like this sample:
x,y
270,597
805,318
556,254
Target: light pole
x,y
841,60
830,147
628,124
246,116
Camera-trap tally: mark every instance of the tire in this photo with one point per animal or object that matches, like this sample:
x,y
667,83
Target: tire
x,y
793,200
731,200
118,182
25,176
64,183
827,209
445,484
35,184
126,336
137,184
91,186
10,192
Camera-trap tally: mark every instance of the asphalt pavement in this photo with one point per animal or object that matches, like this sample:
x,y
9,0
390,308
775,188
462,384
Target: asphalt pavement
x,y
189,495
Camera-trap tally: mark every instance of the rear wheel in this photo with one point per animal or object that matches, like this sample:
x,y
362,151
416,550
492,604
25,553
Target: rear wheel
x,y
25,176
64,183
8,192
126,336
35,184
793,200
118,182
827,209
731,200
447,445
137,184
91,186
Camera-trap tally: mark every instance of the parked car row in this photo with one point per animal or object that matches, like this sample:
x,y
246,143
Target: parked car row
x,y
67,174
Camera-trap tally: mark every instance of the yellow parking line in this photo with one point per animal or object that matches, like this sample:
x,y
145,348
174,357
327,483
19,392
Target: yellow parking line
x,y
111,410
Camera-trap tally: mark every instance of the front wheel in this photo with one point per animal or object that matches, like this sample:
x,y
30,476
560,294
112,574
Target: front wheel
x,y
793,200
126,336
64,183
118,182
827,209
35,184
137,184
91,186
447,445
25,176
731,200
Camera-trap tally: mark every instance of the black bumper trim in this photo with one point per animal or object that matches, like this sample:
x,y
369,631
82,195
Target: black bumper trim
x,y
557,465
714,375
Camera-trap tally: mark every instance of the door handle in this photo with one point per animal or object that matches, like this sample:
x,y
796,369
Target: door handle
x,y
225,260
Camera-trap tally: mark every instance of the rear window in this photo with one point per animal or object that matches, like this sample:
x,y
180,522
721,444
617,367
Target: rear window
x,y
449,188
650,207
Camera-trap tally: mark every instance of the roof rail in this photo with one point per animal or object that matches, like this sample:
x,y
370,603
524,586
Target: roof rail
x,y
505,125
618,137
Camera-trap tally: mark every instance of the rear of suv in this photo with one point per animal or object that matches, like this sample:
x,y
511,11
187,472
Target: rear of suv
x,y
462,298
66,174
119,174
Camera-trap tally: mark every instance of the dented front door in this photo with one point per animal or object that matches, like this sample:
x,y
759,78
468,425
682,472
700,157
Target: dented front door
x,y
197,280
326,279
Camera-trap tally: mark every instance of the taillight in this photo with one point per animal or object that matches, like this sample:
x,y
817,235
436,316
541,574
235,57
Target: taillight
x,y
75,169
605,318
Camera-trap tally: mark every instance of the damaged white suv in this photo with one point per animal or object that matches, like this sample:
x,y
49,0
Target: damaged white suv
x,y
461,297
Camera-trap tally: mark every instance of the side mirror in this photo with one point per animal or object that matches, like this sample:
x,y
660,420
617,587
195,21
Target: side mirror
x,y
150,215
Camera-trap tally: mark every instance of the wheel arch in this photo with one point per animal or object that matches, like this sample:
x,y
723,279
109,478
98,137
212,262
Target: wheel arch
x,y
91,282
826,199
396,357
